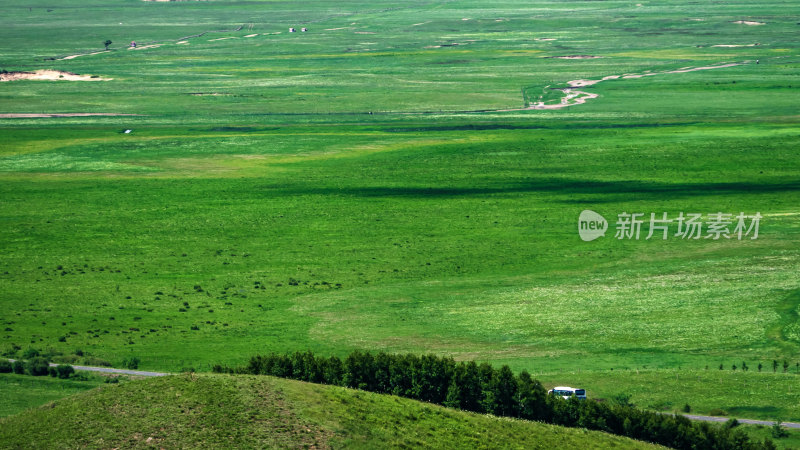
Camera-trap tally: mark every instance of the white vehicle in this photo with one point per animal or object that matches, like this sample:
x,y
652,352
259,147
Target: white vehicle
x,y
566,392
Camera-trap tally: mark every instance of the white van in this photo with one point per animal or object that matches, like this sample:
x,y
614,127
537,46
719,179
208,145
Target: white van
x,y
567,392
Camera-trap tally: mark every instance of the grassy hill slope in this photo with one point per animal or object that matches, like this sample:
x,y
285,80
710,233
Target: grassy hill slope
x,y
247,411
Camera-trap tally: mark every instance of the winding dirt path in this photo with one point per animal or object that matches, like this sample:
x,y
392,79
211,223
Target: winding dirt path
x,y
574,96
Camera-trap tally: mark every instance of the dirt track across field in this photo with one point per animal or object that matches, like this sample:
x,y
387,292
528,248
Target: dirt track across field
x,y
573,96
49,75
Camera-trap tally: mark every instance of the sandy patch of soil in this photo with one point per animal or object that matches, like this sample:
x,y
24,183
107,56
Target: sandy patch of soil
x,y
749,22
365,32
28,116
544,39
252,35
49,75
143,47
81,54
735,45
571,97
182,42
576,57
221,39
681,70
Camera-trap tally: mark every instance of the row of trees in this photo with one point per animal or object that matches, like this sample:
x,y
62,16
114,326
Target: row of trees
x,y
37,367
482,388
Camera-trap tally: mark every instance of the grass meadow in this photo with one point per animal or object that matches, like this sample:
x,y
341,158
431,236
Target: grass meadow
x,y
377,183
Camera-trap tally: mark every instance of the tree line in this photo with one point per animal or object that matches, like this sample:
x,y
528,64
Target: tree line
x,y
481,388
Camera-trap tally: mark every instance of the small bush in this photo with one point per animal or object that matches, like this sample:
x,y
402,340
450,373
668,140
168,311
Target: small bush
x,y
622,399
30,353
37,367
11,350
687,408
5,366
64,371
718,412
732,423
92,361
67,359
52,372
131,363
779,431
18,367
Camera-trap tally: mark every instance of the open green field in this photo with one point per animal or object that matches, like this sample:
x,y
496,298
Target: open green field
x,y
377,183
20,392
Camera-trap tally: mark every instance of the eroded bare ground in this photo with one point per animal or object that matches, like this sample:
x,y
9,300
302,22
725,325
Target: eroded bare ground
x,y
49,75
573,96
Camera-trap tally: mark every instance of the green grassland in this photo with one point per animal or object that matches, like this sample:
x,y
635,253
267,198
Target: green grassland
x,y
707,391
20,392
263,412
372,185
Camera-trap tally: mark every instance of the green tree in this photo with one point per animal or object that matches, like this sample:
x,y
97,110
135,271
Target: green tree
x,y
774,365
532,398
785,366
6,366
333,371
504,386
37,366
471,388
453,399
107,43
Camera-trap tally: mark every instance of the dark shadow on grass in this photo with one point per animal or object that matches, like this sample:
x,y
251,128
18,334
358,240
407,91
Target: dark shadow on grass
x,y
596,191
498,126
744,410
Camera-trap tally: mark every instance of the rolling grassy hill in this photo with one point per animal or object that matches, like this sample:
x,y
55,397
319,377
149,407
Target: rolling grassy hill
x,y
246,411
375,184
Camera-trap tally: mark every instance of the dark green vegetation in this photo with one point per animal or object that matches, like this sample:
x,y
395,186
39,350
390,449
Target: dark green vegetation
x,y
484,389
258,206
248,411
